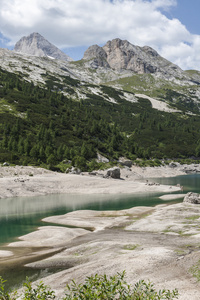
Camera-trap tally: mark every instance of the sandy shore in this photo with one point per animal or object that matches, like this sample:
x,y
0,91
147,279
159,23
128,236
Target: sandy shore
x,y
160,244
29,181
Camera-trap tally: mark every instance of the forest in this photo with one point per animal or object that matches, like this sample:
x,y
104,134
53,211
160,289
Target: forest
x,y
43,127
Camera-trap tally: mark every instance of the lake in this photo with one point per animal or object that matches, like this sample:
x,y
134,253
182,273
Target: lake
x,y
21,215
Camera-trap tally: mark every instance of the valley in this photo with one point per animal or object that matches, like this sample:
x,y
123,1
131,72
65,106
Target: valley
x,y
63,123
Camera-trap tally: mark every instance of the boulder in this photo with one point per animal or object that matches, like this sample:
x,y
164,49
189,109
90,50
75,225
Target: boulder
x,y
192,198
114,173
125,162
6,164
101,158
73,170
174,165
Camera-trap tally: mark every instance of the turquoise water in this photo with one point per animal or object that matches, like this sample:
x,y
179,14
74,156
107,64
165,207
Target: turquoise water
x,y
21,215
190,183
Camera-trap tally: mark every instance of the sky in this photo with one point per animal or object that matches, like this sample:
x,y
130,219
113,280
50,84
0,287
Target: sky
x,y
171,27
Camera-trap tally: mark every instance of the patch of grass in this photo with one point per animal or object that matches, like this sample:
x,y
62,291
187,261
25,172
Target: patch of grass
x,y
131,247
180,252
192,218
195,270
168,229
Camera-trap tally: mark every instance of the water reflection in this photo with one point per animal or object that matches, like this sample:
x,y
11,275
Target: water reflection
x,y
190,183
22,206
22,215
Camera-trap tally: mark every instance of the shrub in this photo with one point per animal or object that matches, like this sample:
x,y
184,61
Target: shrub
x,y
99,287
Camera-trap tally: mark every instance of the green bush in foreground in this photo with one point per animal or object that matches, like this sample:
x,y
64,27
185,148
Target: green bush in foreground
x,y
95,287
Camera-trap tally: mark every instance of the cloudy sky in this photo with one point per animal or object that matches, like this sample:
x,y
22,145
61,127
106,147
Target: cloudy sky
x,y
172,27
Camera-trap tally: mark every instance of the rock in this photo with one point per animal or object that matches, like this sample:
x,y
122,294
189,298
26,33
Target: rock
x,y
191,169
73,170
67,161
125,162
101,158
6,164
120,55
174,165
93,173
36,44
193,198
96,57
114,173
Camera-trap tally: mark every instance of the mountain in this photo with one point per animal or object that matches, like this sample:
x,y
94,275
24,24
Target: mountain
x,y
119,100
36,44
121,55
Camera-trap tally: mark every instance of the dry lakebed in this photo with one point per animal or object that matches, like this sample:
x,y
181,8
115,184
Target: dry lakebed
x,y
160,244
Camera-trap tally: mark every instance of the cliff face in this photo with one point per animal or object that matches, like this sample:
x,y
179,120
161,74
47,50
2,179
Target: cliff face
x,y
37,45
121,55
98,56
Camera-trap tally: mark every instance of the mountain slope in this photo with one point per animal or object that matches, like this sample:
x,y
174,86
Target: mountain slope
x,y
42,126
37,45
53,110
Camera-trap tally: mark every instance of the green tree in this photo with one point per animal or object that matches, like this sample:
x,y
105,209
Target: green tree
x,y
79,162
51,160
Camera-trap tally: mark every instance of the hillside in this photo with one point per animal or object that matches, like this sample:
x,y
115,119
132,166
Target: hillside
x,y
49,114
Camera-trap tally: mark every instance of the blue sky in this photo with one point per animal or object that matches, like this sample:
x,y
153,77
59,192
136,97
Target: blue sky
x,y
172,27
187,11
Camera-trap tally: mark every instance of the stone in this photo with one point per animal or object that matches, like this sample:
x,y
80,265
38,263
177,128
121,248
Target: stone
x,y
73,170
193,198
125,162
174,165
96,56
6,164
114,173
101,158
93,173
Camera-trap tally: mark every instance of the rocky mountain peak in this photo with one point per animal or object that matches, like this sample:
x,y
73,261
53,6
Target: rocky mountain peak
x,y
36,44
99,57
121,55
95,51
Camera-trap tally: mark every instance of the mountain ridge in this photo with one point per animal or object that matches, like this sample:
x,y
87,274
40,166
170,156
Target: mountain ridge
x,y
35,44
53,110
121,55
116,59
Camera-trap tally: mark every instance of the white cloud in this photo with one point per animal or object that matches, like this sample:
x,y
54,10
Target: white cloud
x,y
85,22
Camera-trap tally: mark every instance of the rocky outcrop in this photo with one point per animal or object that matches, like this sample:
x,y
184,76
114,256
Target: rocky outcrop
x,y
125,162
73,170
121,55
96,56
114,173
101,158
191,169
36,44
193,198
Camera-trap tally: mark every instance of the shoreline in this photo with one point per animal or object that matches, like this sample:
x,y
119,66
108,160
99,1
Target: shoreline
x,y
22,181
160,243
148,243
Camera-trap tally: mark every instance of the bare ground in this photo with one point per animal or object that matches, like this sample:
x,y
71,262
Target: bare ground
x,y
160,244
